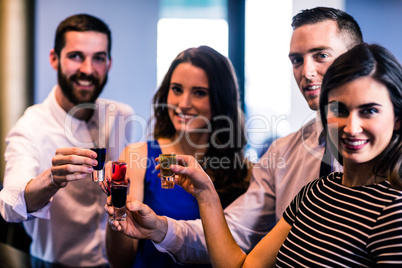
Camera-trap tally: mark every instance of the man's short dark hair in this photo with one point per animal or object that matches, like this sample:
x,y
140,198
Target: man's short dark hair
x,y
80,23
347,25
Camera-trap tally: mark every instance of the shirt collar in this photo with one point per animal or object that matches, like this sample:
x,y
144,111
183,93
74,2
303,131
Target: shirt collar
x,y
63,118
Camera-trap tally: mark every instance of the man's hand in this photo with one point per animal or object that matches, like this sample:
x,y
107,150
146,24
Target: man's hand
x,y
141,221
70,164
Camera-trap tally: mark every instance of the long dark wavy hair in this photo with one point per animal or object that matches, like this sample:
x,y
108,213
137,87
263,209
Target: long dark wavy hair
x,y
226,115
373,61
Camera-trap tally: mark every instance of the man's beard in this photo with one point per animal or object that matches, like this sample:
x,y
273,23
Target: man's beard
x,y
67,87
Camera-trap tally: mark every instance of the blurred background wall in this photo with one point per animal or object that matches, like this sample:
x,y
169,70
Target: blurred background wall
x,y
16,64
148,34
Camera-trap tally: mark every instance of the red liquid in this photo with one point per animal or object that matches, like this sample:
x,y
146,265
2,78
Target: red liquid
x,y
119,171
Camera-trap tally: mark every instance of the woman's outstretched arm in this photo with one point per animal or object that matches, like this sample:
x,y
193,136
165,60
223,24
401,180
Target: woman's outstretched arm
x,y
223,250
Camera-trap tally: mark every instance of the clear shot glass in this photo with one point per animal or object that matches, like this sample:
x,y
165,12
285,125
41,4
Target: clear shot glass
x,y
99,173
119,190
167,175
119,199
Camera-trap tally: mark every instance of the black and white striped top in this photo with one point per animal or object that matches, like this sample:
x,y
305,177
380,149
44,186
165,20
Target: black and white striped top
x,y
338,226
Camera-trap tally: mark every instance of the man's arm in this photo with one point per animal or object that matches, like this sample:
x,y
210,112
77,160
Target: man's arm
x,y
25,195
69,164
22,158
250,217
184,241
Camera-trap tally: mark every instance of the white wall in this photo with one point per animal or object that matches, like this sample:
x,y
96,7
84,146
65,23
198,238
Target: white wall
x,y
380,22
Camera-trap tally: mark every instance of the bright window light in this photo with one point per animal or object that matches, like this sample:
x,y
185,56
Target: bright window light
x,y
176,35
267,70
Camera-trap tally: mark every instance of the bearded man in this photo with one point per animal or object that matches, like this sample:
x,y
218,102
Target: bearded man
x,y
47,183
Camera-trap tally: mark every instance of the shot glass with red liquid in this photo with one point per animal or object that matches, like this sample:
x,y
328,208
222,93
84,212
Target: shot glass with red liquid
x,y
119,190
98,175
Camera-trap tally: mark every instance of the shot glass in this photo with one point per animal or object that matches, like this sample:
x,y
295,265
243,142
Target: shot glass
x,y
99,174
119,190
167,175
119,198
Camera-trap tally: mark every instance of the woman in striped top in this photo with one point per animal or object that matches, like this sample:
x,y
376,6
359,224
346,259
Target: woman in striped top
x,y
349,219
